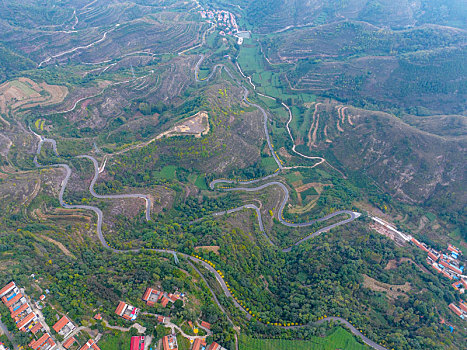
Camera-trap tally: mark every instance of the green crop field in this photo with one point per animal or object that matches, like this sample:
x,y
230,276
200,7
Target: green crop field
x,y
183,343
115,341
25,88
201,183
338,339
294,176
203,73
269,164
167,172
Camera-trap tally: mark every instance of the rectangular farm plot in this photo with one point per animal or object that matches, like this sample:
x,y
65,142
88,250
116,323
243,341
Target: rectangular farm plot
x,y
308,194
24,87
338,339
168,172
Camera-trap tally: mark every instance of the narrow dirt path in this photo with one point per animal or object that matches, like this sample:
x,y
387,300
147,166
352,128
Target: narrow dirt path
x,y
312,127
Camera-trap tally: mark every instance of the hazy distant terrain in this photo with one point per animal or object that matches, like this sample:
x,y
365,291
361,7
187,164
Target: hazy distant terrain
x,y
275,15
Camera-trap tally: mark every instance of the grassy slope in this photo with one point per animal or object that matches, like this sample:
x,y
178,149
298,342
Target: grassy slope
x,y
338,339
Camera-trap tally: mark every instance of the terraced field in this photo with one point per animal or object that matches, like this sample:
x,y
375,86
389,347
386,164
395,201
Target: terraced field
x,y
103,31
24,93
354,61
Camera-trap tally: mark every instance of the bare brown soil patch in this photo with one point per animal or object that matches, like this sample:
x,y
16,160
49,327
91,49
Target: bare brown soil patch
x,y
310,140
196,125
59,245
393,264
297,184
383,230
209,248
6,264
34,193
392,291
62,214
283,152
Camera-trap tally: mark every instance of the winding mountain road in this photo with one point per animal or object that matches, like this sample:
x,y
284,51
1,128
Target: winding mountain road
x,y
352,215
115,196
280,216
219,278
48,59
245,99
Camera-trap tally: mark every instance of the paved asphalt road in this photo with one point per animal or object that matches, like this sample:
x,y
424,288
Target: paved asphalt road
x,y
8,334
115,196
220,280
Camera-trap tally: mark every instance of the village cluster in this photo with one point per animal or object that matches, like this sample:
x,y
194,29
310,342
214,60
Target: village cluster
x,y
29,319
447,263
226,22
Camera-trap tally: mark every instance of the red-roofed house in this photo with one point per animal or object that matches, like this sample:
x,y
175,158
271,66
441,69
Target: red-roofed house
x,y
198,344
128,312
457,285
463,306
214,346
464,282
120,308
169,342
173,297
69,342
13,300
137,343
420,245
51,344
436,267
35,344
91,344
8,288
434,255
456,310
160,319
206,325
22,308
449,266
453,249
147,294
446,274
151,296
37,327
64,326
164,301
22,325
98,317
